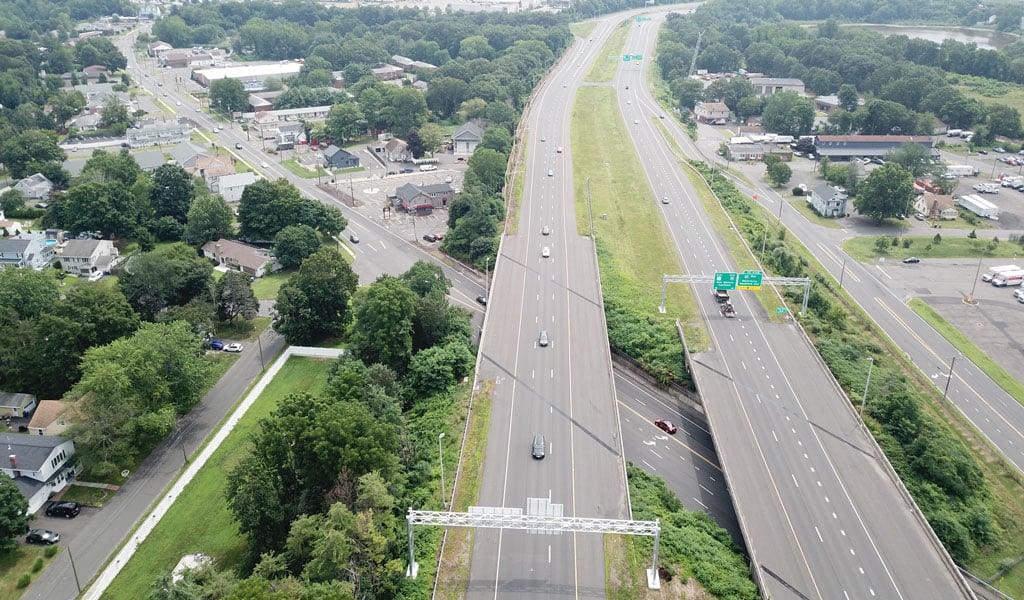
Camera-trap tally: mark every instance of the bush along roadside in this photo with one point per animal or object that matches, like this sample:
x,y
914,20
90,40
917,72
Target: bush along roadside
x,y
946,481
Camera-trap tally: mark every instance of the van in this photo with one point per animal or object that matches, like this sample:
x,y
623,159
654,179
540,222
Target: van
x,y
1009,278
428,167
993,271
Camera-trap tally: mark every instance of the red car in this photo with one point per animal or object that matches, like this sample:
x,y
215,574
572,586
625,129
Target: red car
x,y
665,426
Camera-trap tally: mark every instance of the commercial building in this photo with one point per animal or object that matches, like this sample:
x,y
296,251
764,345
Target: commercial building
x,y
252,76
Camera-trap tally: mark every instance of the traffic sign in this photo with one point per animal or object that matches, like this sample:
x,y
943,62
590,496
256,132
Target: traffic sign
x,y
626,57
749,280
725,281
781,310
638,57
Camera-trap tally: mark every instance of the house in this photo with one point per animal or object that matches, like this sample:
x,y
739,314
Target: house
x,y
424,198
149,160
396,150
250,260
230,187
94,71
826,104
174,59
160,133
50,418
24,251
845,147
936,206
466,138
40,465
745,150
409,64
289,134
87,122
828,201
157,48
387,72
35,187
84,257
186,154
339,158
766,86
709,112
211,169
17,405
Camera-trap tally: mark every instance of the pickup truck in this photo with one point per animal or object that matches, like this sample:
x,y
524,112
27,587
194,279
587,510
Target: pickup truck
x,y
720,295
728,311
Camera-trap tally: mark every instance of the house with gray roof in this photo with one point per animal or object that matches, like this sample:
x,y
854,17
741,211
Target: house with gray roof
x,y
85,257
186,154
25,252
423,199
40,465
339,158
766,86
230,187
160,133
35,187
16,404
466,138
845,147
250,260
149,160
828,201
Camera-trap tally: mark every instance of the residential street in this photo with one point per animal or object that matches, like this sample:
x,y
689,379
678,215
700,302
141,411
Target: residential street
x,y
104,530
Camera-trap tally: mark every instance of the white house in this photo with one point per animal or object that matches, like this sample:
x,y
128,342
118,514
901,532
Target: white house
x,y
35,187
23,251
828,201
84,257
466,138
40,465
232,186
766,86
709,112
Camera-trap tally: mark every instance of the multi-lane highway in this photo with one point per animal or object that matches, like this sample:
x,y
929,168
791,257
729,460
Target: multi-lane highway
x,y
822,513
546,280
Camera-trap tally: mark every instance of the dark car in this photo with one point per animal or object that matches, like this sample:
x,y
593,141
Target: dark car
x,y
982,151
910,260
429,237
481,300
407,170
665,426
537,449
42,536
68,510
216,345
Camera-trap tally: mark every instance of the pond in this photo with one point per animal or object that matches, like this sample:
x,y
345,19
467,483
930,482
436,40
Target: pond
x,y
984,38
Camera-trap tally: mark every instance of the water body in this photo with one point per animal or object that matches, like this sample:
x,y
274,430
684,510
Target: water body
x,y
984,38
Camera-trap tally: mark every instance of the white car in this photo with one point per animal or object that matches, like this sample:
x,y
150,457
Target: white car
x,y
545,252
96,276
448,179
236,347
559,150
551,172
264,165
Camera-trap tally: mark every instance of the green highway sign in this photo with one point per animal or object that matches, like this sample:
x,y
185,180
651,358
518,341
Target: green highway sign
x,y
749,280
725,281
781,310
626,57
638,57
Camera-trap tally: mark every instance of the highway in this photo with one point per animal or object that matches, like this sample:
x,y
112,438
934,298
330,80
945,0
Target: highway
x,y
563,391
821,512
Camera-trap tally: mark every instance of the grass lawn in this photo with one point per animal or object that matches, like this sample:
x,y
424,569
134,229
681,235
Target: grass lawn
x,y
17,563
863,248
583,30
293,165
605,67
88,496
199,521
631,264
266,287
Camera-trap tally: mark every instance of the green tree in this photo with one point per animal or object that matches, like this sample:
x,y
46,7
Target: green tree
x,y
33,146
173,276
914,158
105,167
1004,120
267,207
788,113
172,192
475,46
885,192
424,277
382,326
434,370
730,91
780,173
313,303
114,114
12,199
345,121
234,297
294,244
228,96
13,515
848,97
28,293
487,168
687,92
497,139
431,136
406,109
209,219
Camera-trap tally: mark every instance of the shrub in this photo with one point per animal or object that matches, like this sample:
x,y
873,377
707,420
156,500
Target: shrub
x,y
24,580
51,551
37,566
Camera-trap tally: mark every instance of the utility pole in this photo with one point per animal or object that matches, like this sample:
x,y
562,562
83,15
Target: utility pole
x,y
949,377
977,274
864,399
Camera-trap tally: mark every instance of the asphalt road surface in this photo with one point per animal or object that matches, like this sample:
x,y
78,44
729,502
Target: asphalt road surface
x,y
822,514
563,391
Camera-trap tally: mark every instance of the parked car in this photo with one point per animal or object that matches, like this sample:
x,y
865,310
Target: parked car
x,y
42,536
96,276
235,347
68,510
482,300
911,260
353,238
665,426
448,179
999,150
439,236
538,447
238,145
216,345
429,237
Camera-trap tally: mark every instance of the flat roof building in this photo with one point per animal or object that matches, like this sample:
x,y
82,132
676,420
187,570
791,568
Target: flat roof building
x,y
252,76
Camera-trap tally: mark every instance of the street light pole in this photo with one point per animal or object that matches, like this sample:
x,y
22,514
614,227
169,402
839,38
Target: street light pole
x,y
487,281
864,398
842,274
949,377
977,274
764,240
440,455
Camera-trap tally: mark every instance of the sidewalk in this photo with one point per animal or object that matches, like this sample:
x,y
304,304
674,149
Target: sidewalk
x,y
103,580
